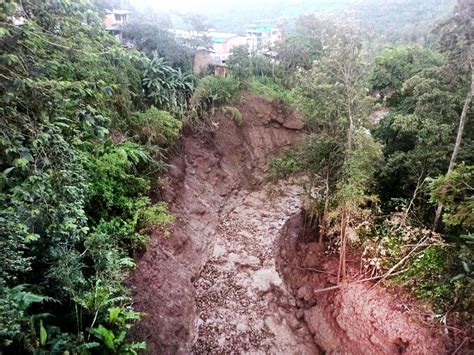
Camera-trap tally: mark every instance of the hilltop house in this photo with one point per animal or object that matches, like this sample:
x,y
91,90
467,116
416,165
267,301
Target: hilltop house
x,y
262,36
114,20
213,58
223,43
202,60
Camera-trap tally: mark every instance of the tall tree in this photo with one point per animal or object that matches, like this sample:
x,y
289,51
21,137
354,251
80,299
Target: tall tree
x,y
457,43
297,52
339,74
336,90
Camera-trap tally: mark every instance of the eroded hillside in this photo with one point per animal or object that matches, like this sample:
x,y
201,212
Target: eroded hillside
x,y
218,283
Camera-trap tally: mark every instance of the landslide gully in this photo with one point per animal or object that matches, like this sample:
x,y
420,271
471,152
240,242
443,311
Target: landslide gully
x,y
211,168
235,276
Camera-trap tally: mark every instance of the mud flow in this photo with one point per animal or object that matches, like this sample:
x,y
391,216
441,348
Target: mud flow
x,y
236,276
243,304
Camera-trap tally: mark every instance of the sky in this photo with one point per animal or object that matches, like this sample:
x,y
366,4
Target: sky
x,y
202,6
183,5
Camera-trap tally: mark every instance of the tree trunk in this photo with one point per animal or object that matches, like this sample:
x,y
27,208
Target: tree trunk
x,y
418,187
457,145
324,219
351,131
341,272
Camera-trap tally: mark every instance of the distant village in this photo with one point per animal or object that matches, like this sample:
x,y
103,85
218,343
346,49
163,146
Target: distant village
x,y
260,37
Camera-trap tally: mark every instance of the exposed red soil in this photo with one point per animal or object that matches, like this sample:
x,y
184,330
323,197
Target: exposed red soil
x,y
356,318
230,280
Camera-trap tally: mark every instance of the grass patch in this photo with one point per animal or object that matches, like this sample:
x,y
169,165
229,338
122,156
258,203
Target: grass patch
x,y
269,89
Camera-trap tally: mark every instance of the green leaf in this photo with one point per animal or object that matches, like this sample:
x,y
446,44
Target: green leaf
x,y
20,163
458,277
32,237
8,170
4,32
107,336
114,312
43,334
466,267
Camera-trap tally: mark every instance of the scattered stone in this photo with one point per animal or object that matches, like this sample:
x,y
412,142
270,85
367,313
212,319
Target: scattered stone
x,y
241,327
219,250
304,292
264,279
239,285
249,261
198,210
299,314
294,122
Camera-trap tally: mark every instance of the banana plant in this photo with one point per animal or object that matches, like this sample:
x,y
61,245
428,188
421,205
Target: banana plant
x,y
167,88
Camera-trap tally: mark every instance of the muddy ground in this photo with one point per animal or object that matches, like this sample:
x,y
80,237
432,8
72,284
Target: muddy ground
x,y
236,276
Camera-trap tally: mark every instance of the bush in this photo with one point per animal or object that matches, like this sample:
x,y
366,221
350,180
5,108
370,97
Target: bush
x,y
273,91
394,66
74,205
234,114
283,167
156,127
166,87
436,272
244,66
213,92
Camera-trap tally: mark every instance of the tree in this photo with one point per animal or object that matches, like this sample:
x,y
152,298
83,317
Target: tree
x,y
167,88
149,38
297,52
337,78
196,22
455,191
417,134
73,202
337,96
322,159
456,42
394,66
353,200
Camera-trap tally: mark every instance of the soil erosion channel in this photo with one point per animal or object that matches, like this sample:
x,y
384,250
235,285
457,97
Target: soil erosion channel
x,y
218,283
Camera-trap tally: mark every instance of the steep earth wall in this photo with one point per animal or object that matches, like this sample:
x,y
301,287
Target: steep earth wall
x,y
210,168
356,318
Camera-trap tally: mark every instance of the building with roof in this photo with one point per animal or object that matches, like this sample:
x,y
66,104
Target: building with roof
x,y
223,43
262,36
203,60
214,58
114,21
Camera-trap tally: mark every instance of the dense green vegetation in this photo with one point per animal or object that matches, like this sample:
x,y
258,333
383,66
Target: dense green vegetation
x,y
86,126
80,147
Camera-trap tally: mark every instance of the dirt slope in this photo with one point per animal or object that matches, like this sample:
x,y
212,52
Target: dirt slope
x,y
232,277
209,170
357,318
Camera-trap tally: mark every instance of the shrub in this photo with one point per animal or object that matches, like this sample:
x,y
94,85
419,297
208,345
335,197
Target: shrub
x,y
244,66
166,87
156,127
283,167
234,114
212,92
393,66
437,272
73,204
273,91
